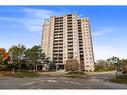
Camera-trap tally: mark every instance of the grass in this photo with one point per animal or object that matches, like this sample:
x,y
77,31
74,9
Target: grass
x,y
27,74
119,80
75,75
20,74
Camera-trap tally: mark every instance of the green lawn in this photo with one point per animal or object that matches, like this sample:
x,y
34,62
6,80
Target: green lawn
x,y
19,75
75,75
119,80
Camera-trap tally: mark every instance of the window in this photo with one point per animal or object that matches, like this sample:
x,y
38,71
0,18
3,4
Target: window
x,y
90,58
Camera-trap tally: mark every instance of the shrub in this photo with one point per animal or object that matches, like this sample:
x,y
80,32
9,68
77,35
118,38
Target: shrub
x,y
72,65
77,72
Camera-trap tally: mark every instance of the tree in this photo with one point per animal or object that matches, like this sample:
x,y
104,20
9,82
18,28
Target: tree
x,y
1,60
2,65
72,65
110,64
123,65
35,56
115,61
16,54
22,50
101,65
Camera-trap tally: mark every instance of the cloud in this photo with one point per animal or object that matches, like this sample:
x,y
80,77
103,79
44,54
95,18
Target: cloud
x,y
33,18
25,23
102,32
104,52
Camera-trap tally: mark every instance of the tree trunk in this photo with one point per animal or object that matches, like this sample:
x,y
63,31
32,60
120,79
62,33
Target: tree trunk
x,y
36,67
13,71
19,68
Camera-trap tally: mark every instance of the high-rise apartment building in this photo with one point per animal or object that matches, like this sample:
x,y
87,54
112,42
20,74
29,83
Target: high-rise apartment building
x,y
68,35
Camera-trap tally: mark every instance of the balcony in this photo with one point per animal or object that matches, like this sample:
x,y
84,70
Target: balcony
x,y
69,29
70,39
70,45
69,23
60,25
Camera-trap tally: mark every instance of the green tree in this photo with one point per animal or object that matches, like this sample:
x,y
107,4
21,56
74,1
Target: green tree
x,y
35,56
16,53
22,50
115,61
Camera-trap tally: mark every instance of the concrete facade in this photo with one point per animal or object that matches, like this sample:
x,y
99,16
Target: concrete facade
x,y
68,35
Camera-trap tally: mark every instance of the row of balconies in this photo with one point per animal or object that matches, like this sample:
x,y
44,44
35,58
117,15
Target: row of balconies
x,y
80,45
57,54
69,23
58,43
69,20
59,28
69,36
79,27
58,38
69,17
80,42
58,50
69,29
57,19
61,25
80,33
79,30
70,32
58,23
58,34
59,47
70,43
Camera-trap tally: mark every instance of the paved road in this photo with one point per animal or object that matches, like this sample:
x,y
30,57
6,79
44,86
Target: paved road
x,y
97,81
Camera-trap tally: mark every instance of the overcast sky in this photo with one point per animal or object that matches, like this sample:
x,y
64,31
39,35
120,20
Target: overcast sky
x,y
23,25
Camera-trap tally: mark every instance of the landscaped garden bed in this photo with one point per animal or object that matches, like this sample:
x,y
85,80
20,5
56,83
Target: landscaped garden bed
x,y
76,74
